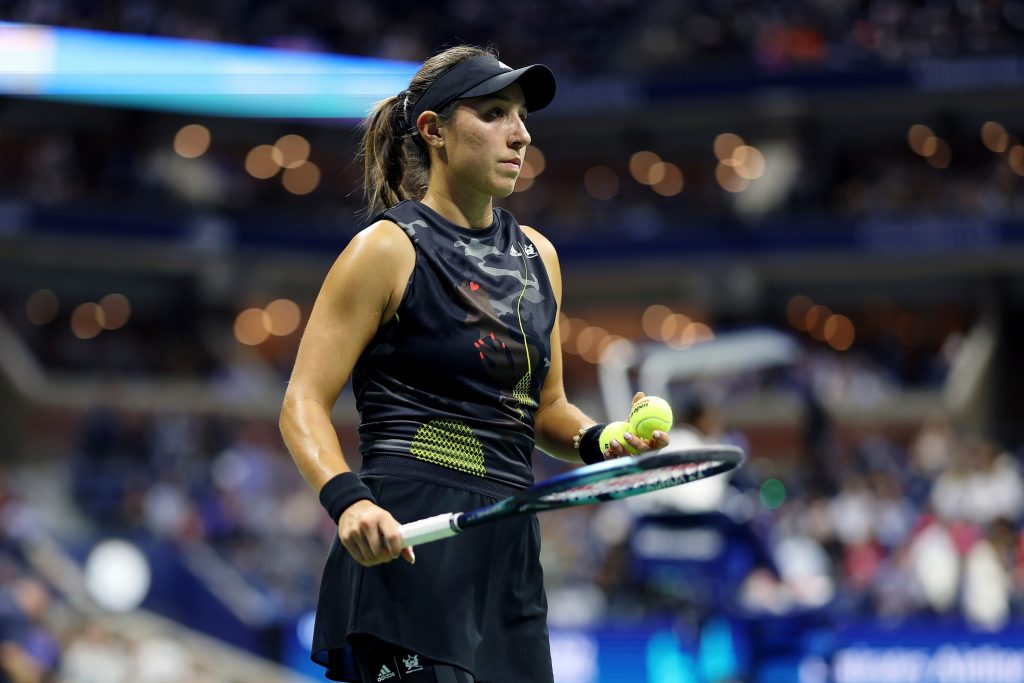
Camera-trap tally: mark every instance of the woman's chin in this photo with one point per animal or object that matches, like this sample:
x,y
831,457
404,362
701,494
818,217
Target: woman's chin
x,y
503,190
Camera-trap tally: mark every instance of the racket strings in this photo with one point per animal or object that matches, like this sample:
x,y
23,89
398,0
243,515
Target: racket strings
x,y
638,482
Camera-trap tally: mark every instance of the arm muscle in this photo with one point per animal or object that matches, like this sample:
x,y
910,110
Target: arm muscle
x,y
558,420
362,290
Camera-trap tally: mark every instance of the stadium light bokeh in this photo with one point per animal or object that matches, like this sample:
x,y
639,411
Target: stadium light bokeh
x,y
192,76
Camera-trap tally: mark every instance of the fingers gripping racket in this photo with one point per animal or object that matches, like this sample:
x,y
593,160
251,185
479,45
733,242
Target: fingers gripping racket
x,y
603,481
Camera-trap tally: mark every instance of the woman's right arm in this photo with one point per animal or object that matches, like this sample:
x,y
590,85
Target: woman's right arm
x,y
361,291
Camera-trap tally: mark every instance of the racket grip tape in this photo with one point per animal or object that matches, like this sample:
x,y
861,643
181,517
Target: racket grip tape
x,y
430,529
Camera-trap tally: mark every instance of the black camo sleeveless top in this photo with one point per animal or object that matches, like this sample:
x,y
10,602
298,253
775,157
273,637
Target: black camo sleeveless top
x,y
448,389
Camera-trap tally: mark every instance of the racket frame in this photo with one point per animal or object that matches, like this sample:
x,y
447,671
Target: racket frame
x,y
704,461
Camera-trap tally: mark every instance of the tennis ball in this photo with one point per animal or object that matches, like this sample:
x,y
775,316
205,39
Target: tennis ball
x,y
615,430
650,414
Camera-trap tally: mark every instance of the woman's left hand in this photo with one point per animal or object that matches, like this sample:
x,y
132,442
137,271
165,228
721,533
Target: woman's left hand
x,y
658,440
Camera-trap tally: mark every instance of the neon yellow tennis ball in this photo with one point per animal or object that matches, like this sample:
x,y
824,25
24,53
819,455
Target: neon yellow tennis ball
x,y
650,414
616,430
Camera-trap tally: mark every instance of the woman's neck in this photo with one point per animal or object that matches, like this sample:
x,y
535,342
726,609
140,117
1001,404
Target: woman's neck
x,y
460,210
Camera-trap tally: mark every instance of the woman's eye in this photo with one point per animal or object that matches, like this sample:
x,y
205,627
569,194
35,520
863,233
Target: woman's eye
x,y
498,113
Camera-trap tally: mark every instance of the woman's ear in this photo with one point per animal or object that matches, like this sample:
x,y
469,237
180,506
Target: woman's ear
x,y
430,129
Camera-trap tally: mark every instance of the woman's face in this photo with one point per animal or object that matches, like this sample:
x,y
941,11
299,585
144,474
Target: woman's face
x,y
485,142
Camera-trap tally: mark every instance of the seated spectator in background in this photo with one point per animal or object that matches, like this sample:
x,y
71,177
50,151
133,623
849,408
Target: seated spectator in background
x,y
29,652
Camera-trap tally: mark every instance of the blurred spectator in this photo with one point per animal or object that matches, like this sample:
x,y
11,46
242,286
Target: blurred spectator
x,y
983,484
29,652
95,655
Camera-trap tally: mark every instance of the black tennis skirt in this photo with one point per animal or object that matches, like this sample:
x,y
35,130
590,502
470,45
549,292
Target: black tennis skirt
x,y
475,601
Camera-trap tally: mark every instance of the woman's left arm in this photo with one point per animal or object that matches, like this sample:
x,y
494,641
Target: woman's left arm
x,y
558,420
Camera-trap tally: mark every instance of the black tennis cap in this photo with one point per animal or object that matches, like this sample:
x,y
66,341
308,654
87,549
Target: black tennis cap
x,y
485,75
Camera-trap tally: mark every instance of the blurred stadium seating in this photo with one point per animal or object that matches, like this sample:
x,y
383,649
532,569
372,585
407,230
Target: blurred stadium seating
x,y
844,176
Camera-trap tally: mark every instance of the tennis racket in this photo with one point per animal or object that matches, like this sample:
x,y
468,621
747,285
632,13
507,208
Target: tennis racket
x,y
603,481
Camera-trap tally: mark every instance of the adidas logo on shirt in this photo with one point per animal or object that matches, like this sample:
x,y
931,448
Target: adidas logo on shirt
x,y
385,673
529,249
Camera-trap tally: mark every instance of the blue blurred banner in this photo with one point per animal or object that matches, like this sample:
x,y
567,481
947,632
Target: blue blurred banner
x,y
936,650
192,76
924,651
797,648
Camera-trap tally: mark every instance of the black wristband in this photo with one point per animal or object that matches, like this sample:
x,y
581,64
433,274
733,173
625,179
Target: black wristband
x,y
341,491
590,445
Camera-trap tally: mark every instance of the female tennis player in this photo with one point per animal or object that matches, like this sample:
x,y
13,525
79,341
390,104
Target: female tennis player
x,y
444,314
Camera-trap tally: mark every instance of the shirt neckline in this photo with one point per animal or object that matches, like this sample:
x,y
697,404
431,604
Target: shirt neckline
x,y
472,232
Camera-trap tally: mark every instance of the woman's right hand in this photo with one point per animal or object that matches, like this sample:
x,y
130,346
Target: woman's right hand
x,y
370,535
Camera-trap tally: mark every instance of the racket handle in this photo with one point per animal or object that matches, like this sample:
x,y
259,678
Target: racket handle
x,y
430,529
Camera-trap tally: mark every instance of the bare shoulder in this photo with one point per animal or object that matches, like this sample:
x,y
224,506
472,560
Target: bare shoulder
x,y
377,249
376,264
383,241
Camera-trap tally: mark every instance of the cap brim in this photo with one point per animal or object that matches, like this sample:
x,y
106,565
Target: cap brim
x,y
537,82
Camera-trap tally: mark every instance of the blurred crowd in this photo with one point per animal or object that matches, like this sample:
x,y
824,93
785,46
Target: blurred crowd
x,y
45,638
574,34
51,632
29,648
162,339
930,525
881,522
129,161
874,524
223,482
70,178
